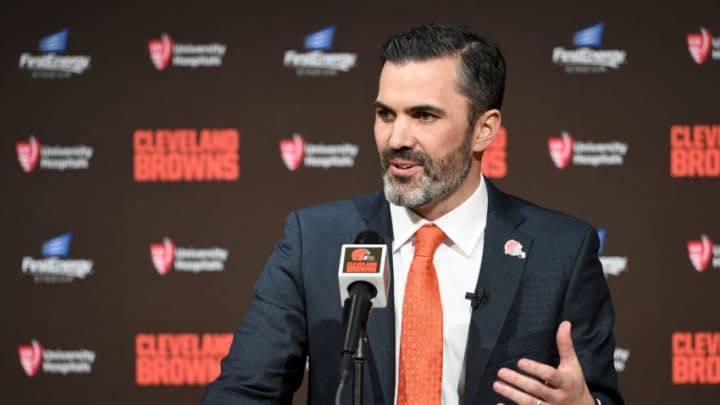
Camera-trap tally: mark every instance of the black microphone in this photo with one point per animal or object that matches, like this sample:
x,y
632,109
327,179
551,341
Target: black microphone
x,y
363,279
476,298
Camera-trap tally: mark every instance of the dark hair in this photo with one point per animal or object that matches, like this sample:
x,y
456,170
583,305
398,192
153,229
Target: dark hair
x,y
482,66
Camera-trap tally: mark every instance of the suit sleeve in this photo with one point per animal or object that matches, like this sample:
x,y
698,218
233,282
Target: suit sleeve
x,y
266,362
589,308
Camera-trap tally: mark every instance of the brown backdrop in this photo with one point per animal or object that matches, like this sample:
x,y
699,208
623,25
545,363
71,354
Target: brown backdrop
x,y
147,337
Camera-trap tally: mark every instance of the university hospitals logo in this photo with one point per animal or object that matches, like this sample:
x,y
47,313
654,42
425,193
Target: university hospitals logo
x,y
175,359
565,149
51,63
295,151
612,265
695,151
587,57
52,157
166,255
176,155
160,51
317,61
702,44
561,149
30,357
28,153
55,361
55,267
292,151
164,51
703,254
162,255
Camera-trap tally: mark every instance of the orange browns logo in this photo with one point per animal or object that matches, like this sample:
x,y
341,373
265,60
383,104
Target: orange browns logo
x,y
360,254
696,358
186,155
362,261
695,151
179,358
494,160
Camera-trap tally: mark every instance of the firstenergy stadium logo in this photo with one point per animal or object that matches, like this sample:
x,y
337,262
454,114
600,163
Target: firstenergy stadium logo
x,y
695,357
587,57
55,267
176,155
317,61
55,361
164,51
620,358
51,63
166,256
179,358
565,149
695,151
703,254
702,44
52,157
612,265
296,152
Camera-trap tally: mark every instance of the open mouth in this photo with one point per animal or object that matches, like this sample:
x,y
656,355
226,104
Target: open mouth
x,y
399,167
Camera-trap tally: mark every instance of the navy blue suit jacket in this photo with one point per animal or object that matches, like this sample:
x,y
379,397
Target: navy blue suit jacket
x,y
296,311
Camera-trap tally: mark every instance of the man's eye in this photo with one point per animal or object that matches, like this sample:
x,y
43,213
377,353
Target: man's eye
x,y
426,117
384,115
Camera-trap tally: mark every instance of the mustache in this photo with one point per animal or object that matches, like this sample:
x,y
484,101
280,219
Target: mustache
x,y
405,154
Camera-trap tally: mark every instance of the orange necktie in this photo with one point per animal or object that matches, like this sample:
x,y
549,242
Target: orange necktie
x,y
421,344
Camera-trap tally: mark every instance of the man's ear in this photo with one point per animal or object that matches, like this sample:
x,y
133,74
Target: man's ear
x,y
486,128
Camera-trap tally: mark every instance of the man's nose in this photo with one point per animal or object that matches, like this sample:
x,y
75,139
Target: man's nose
x,y
401,134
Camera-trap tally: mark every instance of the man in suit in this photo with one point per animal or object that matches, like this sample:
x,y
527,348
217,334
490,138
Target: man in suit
x,y
539,333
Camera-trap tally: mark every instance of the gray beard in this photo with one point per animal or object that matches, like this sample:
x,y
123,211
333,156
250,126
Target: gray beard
x,y
439,178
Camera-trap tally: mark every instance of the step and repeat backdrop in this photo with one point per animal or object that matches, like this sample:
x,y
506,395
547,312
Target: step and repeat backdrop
x,y
151,153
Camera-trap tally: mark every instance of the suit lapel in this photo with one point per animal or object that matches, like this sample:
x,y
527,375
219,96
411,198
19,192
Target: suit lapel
x,y
381,324
500,277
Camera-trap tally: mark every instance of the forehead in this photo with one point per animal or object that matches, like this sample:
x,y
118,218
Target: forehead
x,y
432,81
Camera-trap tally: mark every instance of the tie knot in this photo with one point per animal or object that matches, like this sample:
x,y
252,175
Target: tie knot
x,y
427,240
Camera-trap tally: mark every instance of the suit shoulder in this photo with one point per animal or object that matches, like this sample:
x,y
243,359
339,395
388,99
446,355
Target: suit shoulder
x,y
343,208
546,219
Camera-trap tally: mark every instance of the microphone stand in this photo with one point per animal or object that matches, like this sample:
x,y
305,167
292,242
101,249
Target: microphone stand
x,y
359,358
356,310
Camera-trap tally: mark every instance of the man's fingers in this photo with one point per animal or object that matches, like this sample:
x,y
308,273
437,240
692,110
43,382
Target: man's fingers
x,y
528,384
537,381
565,343
543,372
514,394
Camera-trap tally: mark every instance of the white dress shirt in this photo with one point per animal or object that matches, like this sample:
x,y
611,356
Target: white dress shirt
x,y
457,262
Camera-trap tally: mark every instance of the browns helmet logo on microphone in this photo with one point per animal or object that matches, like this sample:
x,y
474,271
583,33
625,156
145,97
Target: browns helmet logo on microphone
x,y
362,260
361,255
366,262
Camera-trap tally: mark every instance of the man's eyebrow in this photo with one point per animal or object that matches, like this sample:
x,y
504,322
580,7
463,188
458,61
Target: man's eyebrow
x,y
423,108
380,106
426,108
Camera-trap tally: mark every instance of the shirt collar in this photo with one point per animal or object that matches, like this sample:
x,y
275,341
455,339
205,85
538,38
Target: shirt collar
x,y
464,225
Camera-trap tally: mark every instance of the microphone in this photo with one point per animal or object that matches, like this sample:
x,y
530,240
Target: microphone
x,y
363,278
476,298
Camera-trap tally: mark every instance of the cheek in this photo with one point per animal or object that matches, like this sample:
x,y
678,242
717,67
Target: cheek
x,y
439,140
380,130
